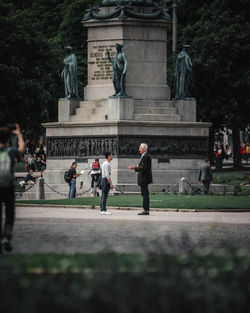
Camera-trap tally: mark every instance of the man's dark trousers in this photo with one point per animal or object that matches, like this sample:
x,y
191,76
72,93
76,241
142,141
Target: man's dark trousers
x,y
145,195
206,184
7,196
105,192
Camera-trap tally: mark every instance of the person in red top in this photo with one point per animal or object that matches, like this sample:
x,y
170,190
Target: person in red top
x,y
95,172
242,152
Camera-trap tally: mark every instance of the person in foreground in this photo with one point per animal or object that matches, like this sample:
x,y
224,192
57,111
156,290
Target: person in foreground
x,y
8,156
144,170
205,176
106,183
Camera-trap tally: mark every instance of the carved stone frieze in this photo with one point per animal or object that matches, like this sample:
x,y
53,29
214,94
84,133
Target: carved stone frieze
x,y
168,147
79,146
127,146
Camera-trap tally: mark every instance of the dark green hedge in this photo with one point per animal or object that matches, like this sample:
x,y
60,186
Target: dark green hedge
x,y
126,283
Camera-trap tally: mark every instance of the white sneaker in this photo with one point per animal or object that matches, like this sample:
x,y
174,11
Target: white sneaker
x,y
105,213
22,183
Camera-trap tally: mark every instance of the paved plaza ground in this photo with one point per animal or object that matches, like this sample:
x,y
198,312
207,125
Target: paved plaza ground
x,y
74,230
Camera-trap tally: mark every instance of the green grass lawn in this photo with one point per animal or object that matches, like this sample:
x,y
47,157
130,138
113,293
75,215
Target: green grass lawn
x,y
160,201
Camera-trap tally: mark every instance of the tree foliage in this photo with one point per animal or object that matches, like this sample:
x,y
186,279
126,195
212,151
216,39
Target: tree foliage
x,y
34,32
219,34
27,63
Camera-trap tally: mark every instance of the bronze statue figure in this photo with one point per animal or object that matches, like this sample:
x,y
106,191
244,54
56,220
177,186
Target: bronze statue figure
x,y
69,74
119,63
182,76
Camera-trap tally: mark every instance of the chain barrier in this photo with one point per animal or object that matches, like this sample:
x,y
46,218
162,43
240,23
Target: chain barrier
x,y
194,188
85,191
23,191
173,188
66,195
117,189
60,193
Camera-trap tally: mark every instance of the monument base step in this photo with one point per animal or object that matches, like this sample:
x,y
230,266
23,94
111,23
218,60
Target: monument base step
x,y
157,117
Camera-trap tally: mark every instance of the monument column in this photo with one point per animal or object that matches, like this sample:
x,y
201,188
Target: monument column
x,y
145,45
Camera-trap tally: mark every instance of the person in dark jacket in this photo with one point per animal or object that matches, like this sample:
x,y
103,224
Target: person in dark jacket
x,y
73,176
144,170
205,176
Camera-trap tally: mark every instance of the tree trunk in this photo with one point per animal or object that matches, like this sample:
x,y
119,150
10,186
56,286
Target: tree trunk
x,y
236,147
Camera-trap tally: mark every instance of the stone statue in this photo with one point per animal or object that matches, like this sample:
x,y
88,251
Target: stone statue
x,y
182,76
119,63
69,74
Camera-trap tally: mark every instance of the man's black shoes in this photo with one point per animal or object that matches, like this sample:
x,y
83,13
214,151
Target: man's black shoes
x,y
144,213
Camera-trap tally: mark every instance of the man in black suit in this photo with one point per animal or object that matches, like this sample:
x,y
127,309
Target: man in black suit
x,y
144,170
205,176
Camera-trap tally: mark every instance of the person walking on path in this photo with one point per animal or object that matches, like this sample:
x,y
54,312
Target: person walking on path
x,y
106,183
205,176
72,184
144,170
8,156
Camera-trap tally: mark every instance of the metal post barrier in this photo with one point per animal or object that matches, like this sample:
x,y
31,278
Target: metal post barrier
x,y
182,184
40,195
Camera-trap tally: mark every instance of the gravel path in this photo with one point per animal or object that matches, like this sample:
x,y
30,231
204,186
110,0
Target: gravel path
x,y
68,230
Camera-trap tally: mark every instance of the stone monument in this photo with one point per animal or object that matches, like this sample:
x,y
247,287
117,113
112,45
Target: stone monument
x,y
86,129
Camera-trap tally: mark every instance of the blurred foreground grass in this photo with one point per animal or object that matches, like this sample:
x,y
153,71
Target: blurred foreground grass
x,y
110,282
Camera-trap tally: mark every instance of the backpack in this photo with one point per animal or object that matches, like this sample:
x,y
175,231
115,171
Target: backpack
x,y
5,168
67,177
96,166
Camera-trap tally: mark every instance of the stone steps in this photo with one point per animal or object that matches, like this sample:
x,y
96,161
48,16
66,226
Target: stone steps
x,y
84,118
144,110
157,117
93,103
155,110
91,111
154,103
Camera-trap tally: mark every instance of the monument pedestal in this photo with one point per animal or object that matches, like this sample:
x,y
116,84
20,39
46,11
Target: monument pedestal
x,y
120,109
177,150
66,107
87,129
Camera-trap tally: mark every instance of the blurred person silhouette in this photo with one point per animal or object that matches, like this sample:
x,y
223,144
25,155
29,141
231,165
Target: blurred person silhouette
x,y
8,156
